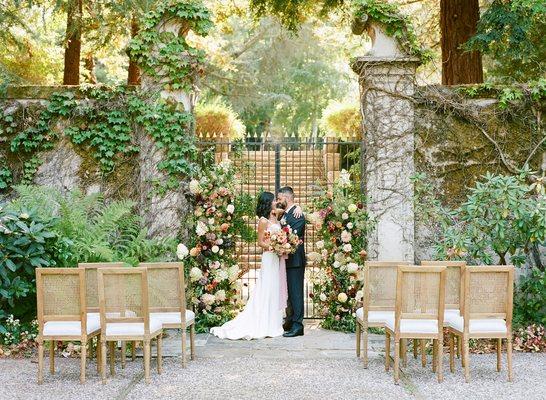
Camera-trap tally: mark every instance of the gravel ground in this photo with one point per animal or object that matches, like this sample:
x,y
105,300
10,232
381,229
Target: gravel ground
x,y
266,370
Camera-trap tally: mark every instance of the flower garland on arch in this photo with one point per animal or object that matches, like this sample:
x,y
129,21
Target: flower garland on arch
x,y
218,221
342,225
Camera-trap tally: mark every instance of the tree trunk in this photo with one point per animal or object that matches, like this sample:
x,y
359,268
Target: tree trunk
x,y
73,43
458,20
133,75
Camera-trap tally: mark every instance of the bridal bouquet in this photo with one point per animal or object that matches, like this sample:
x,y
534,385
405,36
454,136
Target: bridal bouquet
x,y
284,241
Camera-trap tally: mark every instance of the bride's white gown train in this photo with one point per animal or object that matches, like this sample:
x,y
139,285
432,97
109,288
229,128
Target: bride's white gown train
x,y
262,315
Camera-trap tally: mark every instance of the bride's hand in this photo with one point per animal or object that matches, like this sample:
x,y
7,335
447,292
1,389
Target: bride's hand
x,y
298,211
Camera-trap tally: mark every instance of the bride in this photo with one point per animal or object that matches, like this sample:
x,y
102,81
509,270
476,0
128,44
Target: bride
x,y
263,313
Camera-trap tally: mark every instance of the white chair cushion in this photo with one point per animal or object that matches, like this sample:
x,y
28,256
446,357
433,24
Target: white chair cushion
x,y
428,326
478,325
375,317
173,317
71,328
131,328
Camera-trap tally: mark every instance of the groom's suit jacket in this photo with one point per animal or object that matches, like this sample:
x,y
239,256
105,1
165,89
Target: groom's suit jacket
x,y
296,260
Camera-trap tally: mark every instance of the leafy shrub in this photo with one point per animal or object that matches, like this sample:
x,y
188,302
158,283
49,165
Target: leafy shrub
x,y
216,119
27,241
13,332
530,339
343,120
530,300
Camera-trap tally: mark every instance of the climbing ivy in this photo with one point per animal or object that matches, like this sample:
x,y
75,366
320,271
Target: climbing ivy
x,y
396,25
507,95
166,55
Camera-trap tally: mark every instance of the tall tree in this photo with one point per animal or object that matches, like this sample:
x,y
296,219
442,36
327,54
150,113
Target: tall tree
x,y
133,73
72,52
458,23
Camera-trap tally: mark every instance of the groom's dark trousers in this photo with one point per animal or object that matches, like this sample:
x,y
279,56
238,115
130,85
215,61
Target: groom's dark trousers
x,y
295,273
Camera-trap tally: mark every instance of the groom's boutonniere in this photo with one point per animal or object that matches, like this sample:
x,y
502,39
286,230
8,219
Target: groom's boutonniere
x,y
283,221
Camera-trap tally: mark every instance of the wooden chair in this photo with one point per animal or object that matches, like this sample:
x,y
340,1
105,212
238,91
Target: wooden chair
x,y
168,300
419,312
92,297
125,315
454,299
62,314
379,293
487,312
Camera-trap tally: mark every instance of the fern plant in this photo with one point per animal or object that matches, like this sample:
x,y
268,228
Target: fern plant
x,y
91,229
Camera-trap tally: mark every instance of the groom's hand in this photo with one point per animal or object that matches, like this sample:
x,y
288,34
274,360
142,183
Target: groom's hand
x,y
298,212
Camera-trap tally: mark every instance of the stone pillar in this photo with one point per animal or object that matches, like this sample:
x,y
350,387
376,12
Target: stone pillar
x,y
386,85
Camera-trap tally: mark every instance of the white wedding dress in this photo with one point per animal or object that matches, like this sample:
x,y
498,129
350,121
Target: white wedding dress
x,y
263,313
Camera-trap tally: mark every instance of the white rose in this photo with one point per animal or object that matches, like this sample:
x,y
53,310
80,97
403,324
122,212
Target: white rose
x,y
222,275
314,257
221,252
215,249
347,247
201,229
220,295
195,274
220,241
352,208
322,297
342,297
211,221
350,225
230,208
352,268
324,253
194,187
346,236
208,299
233,273
359,295
336,264
344,179
182,251
320,244
345,216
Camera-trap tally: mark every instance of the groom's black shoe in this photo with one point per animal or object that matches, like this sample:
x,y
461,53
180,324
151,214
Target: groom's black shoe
x,y
287,326
295,331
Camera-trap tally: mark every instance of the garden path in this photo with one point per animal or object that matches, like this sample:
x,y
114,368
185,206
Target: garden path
x,y
320,365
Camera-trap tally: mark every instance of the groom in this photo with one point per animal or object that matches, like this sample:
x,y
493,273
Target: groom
x,y
295,266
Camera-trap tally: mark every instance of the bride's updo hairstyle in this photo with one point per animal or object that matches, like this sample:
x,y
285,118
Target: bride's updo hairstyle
x,y
263,208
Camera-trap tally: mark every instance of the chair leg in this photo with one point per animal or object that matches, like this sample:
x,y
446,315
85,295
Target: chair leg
x,y
112,358
499,349
415,350
365,346
459,346
440,358
358,338
123,350
83,363
40,362
184,358
396,360
147,361
404,351
509,358
90,352
466,358
451,353
423,352
160,353
387,351
434,354
133,351
460,343
98,351
103,361
52,357
192,342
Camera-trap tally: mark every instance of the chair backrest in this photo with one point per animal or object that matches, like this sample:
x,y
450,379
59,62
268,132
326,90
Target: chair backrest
x,y
60,295
420,293
166,288
489,292
454,282
380,285
92,291
123,296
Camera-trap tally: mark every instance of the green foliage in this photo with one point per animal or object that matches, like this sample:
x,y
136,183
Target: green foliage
x,y
92,230
13,332
342,120
529,300
216,119
6,177
512,33
27,241
168,54
396,25
508,96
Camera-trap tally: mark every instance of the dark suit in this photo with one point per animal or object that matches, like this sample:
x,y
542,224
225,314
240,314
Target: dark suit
x,y
295,272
